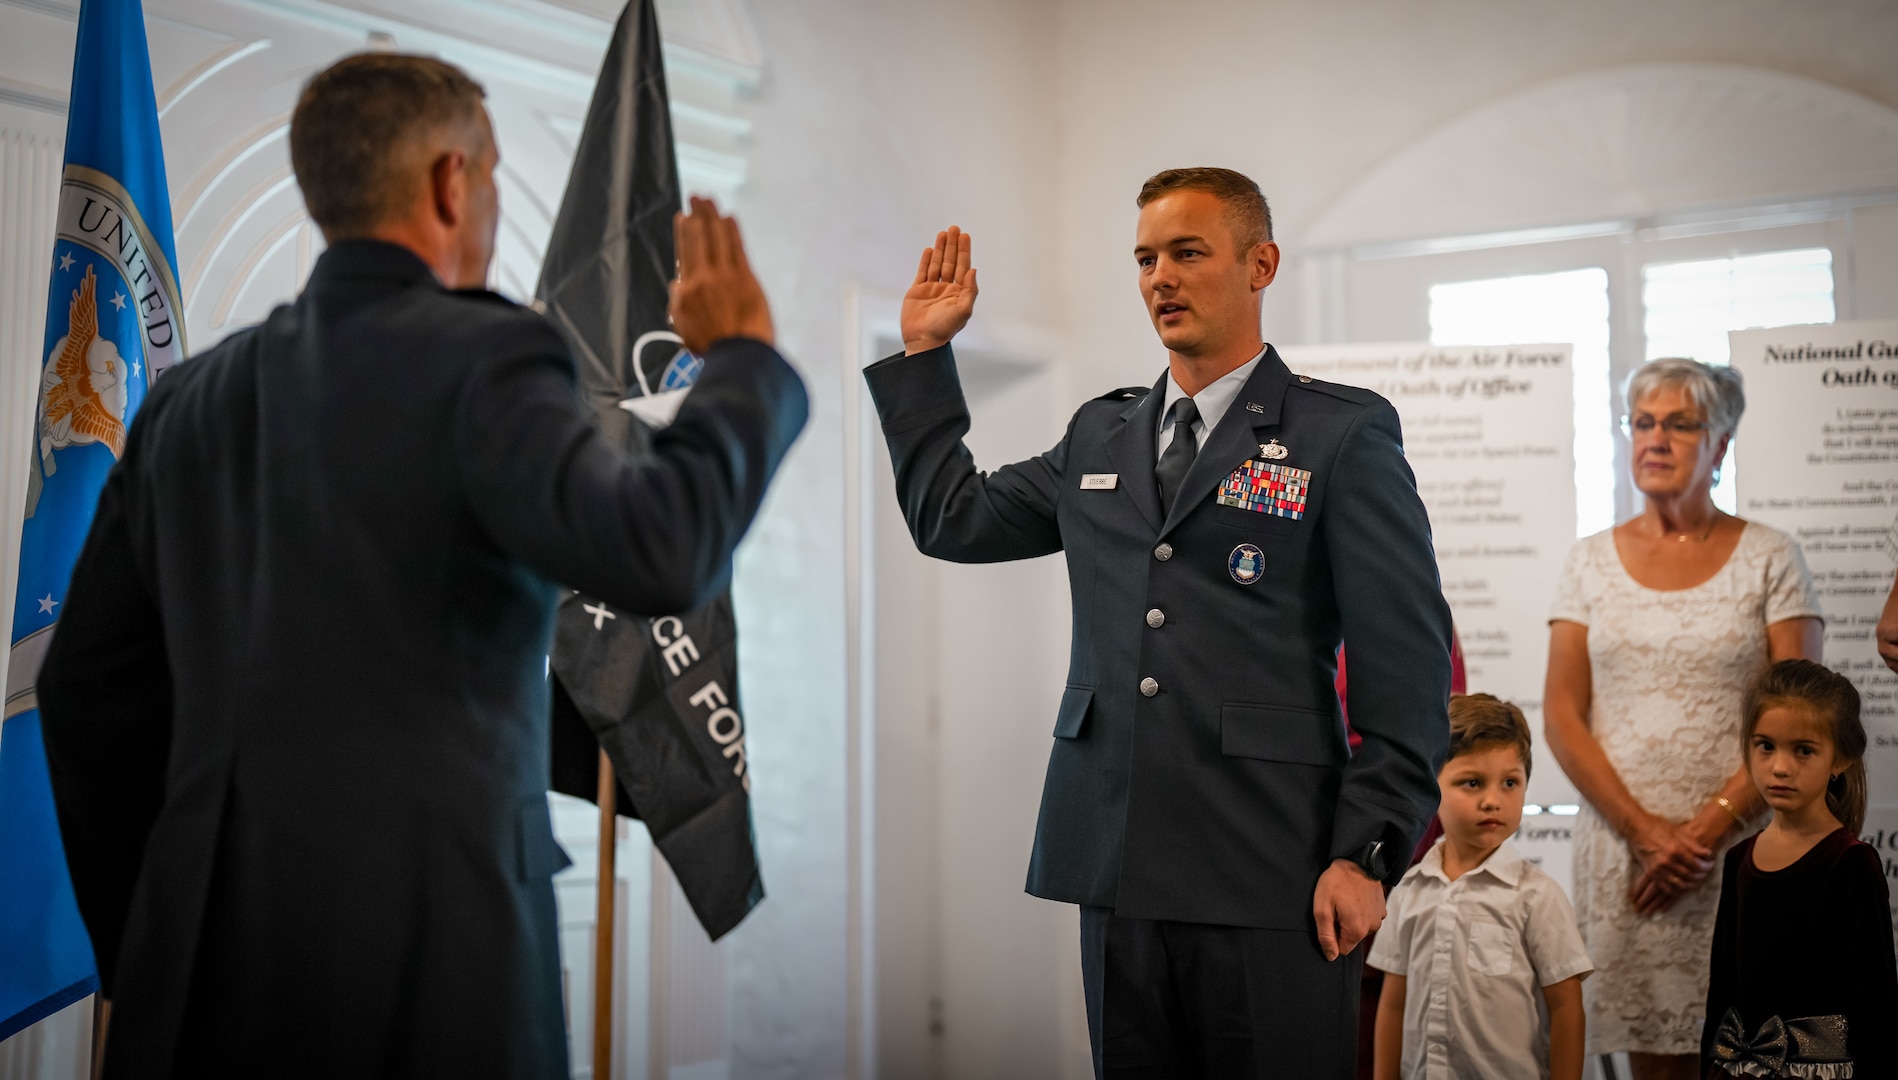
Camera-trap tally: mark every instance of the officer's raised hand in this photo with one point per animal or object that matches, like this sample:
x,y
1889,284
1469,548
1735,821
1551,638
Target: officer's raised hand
x,y
716,296
941,299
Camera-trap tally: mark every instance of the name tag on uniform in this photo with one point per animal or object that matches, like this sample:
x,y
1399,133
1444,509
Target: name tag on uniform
x,y
1100,481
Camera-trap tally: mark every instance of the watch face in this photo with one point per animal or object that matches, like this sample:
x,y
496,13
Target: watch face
x,y
1373,861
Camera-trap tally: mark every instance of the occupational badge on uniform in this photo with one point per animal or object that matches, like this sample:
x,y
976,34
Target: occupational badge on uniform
x,y
1253,406
1245,564
1099,481
1273,451
1267,488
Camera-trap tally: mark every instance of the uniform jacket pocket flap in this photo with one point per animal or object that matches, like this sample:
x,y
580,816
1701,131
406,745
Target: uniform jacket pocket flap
x,y
1278,733
540,854
1074,704
1255,521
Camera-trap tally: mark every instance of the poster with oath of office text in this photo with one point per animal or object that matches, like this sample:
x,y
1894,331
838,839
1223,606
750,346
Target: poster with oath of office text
x,y
1816,457
1490,433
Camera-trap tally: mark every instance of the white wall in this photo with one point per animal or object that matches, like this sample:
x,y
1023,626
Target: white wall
x,y
973,976
1307,98
876,125
1875,262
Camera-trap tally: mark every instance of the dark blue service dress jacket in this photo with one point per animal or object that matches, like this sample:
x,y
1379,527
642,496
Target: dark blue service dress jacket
x,y
1200,770
296,710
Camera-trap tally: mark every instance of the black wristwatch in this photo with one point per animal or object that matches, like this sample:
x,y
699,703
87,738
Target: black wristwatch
x,y
1370,859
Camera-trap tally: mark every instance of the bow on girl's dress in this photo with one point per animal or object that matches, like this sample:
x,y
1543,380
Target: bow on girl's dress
x,y
1807,1048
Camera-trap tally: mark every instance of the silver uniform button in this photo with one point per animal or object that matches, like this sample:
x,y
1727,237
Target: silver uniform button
x,y
1156,618
1163,552
1148,687
1304,378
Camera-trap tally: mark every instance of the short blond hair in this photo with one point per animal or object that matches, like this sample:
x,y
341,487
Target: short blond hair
x,y
1246,210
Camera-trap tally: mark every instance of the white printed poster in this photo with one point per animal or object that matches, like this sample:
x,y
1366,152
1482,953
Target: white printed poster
x,y
1816,456
1881,831
1490,433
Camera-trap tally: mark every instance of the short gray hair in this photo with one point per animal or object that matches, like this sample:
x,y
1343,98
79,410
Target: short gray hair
x,y
1714,389
362,127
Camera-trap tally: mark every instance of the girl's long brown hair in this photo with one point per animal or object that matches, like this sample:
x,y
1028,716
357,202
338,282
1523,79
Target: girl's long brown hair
x,y
1831,695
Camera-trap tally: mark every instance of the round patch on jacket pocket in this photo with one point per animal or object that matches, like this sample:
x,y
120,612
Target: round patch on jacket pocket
x,y
1245,564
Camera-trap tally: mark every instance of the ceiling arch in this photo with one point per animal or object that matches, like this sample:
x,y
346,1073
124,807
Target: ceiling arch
x,y
1622,143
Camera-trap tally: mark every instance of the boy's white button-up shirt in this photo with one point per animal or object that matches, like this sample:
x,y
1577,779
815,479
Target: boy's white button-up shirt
x,y
1475,953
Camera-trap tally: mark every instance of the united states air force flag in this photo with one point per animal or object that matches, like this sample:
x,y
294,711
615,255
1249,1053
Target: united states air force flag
x,y
114,322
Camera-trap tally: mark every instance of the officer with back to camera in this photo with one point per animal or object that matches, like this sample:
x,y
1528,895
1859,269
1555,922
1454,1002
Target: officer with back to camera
x,y
296,711
1225,530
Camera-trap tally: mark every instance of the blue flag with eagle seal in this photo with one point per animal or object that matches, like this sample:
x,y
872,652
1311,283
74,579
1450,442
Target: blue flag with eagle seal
x,y
114,322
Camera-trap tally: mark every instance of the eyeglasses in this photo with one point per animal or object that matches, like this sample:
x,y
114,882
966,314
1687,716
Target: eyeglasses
x,y
1676,427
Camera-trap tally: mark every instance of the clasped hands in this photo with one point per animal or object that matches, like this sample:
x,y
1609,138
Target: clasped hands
x,y
1675,858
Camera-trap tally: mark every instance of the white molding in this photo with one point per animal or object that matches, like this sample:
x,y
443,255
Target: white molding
x,y
1704,221
712,56
548,45
32,97
30,156
1617,145
207,70
68,12
264,244
726,124
469,51
238,151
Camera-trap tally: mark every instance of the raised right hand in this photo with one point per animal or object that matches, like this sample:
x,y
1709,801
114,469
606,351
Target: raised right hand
x,y
716,296
941,299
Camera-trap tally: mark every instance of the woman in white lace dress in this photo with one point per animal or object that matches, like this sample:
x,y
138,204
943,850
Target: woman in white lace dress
x,y
1659,625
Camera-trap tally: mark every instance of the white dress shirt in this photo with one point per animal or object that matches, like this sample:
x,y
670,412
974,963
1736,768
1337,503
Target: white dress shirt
x,y
1212,401
1474,954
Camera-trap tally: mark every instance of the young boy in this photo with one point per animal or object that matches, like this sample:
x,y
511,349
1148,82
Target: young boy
x,y
1474,931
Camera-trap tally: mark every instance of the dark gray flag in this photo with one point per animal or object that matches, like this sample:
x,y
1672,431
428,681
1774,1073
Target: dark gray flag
x,y
659,695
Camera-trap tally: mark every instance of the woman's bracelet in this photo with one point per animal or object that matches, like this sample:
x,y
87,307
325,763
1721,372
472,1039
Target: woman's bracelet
x,y
1731,812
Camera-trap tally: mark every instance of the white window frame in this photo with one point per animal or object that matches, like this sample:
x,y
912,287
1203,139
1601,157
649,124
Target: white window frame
x,y
1381,292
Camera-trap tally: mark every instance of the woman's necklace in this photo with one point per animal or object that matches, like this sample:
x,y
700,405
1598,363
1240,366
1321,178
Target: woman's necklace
x,y
1702,538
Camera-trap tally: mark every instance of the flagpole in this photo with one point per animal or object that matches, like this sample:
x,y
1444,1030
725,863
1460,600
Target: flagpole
x,y
603,928
101,1016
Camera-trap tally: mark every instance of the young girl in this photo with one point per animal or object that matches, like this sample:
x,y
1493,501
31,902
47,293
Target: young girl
x,y
1804,983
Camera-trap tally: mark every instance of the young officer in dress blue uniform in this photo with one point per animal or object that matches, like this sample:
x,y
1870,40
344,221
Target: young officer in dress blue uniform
x,y
1225,530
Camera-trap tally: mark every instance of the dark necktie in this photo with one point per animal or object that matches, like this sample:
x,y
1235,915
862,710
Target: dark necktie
x,y
1171,472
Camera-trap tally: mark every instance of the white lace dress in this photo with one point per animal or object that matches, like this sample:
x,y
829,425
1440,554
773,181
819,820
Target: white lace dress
x,y
1670,669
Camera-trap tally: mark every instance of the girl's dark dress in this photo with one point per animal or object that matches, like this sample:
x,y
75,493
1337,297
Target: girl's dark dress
x,y
1813,939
